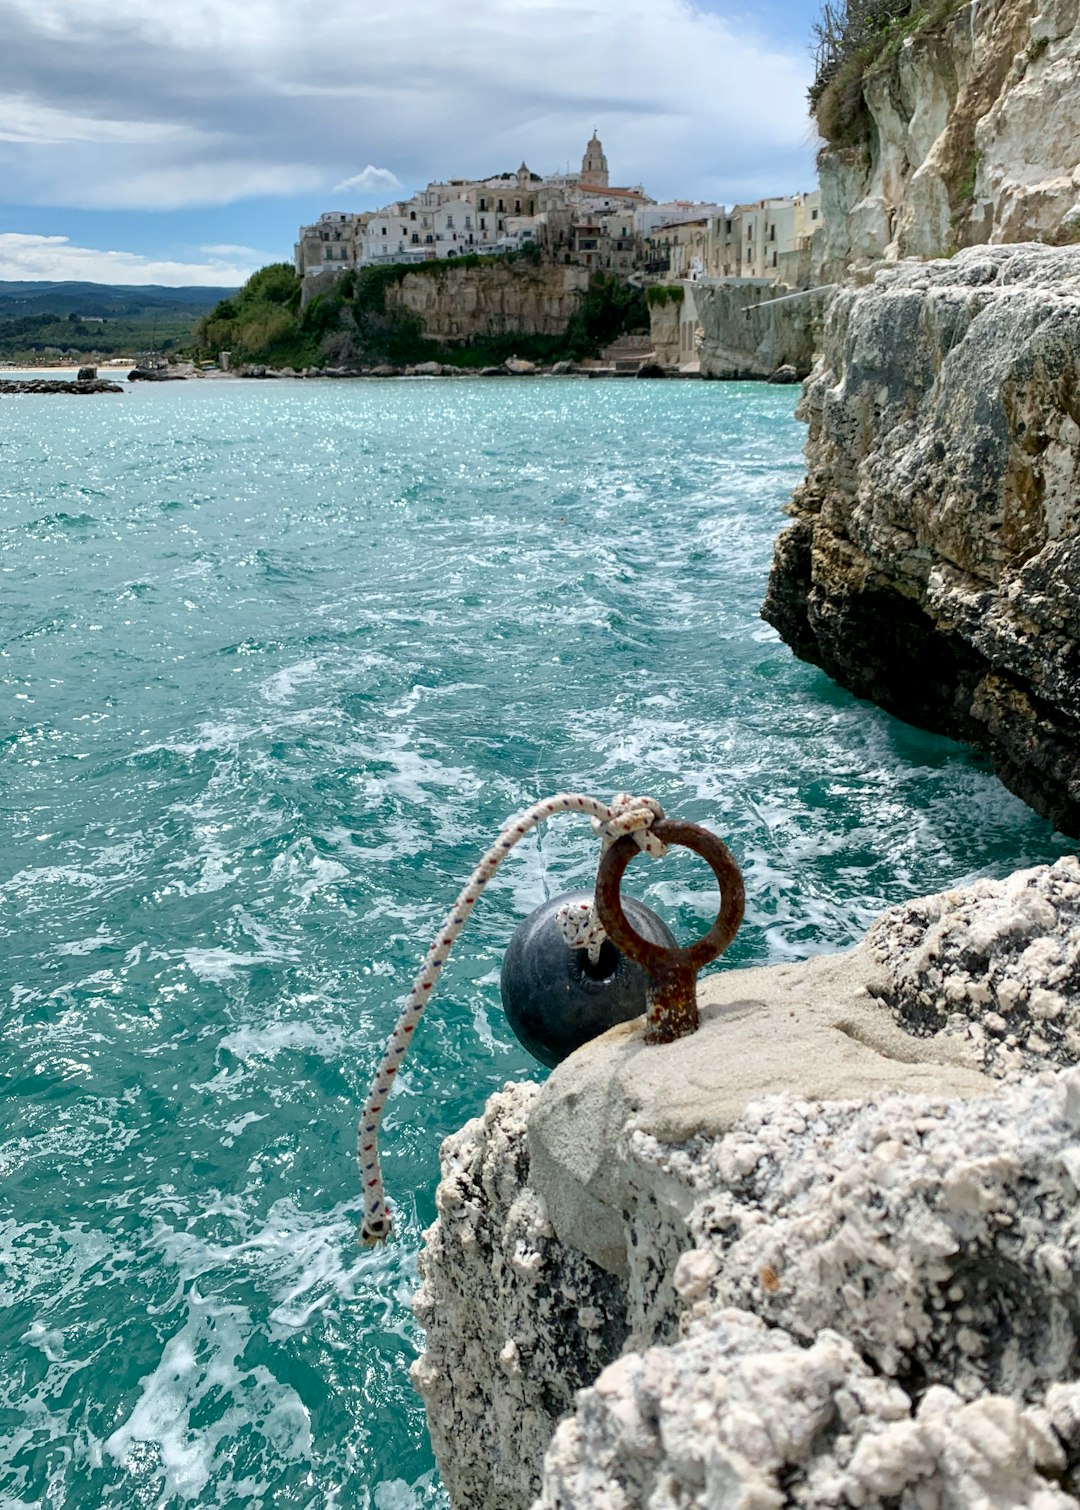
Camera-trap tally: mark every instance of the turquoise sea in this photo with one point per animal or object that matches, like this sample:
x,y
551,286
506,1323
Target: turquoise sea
x,y
275,662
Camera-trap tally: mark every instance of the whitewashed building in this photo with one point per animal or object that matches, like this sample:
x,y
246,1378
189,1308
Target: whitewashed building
x,y
574,216
758,240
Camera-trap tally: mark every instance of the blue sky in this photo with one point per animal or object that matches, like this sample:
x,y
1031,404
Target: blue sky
x,y
185,143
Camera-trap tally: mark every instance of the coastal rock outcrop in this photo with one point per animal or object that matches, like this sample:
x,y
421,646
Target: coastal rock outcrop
x,y
966,133
934,561
459,304
746,333
824,1252
58,385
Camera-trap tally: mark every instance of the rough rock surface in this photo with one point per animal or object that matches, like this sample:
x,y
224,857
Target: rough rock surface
x,y
934,563
995,966
790,1426
969,135
515,1321
742,340
460,303
866,1299
58,385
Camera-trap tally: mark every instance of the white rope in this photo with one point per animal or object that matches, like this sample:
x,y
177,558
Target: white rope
x,y
626,815
579,922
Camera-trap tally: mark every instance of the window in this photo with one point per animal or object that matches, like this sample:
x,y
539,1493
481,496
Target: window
x,y
483,204
772,233
749,233
517,206
727,227
384,230
450,222
468,222
813,214
774,259
412,214
500,205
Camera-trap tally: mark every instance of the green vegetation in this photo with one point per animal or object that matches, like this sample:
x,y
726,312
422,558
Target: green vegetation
x,y
1036,47
664,293
42,322
964,188
350,324
1067,234
854,39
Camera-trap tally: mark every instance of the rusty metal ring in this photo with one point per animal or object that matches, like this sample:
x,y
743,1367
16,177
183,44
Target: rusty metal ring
x,y
655,958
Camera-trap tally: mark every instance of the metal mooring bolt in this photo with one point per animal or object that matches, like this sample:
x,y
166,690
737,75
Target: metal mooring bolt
x,y
671,996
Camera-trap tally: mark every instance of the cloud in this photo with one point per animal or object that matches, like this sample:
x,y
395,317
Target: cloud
x,y
118,103
227,249
370,181
24,256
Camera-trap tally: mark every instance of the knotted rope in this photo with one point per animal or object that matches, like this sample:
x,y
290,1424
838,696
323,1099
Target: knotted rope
x,y
626,815
578,922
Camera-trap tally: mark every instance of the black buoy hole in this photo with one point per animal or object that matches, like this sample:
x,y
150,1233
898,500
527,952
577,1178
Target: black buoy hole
x,y
606,965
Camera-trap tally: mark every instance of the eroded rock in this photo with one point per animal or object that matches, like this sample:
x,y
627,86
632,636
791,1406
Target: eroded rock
x,y
934,562
849,1250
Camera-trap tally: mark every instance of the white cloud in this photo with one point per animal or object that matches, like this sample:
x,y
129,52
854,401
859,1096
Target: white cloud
x,y
30,121
227,249
24,256
206,102
371,181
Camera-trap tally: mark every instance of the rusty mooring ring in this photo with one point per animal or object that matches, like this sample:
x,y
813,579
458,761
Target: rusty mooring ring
x,y
671,998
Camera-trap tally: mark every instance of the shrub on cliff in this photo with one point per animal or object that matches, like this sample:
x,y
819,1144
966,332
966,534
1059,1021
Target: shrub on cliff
x,y
851,38
608,308
261,323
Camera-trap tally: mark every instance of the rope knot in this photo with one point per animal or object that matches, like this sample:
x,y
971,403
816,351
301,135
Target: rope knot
x,y
579,923
632,815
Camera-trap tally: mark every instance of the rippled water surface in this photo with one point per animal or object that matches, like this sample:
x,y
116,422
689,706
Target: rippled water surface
x,y
275,662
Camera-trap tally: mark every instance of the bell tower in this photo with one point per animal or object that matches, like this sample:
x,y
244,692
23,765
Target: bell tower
x,y
594,164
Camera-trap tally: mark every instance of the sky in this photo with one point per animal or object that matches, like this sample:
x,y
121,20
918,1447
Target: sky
x,y
185,142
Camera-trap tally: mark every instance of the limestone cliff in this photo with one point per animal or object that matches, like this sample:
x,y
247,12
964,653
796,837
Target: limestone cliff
x,y
823,1252
968,133
743,336
461,303
934,562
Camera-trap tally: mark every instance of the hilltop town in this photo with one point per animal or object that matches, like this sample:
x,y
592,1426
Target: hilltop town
x,y
578,219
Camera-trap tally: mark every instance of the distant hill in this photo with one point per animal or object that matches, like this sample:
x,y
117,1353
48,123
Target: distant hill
x,y
104,299
42,322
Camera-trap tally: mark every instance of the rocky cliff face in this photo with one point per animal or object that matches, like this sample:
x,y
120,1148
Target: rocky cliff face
x,y
743,336
823,1252
934,562
461,303
967,134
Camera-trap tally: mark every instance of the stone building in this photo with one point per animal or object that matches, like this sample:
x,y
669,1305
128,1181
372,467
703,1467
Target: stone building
x,y
577,218
594,168
763,239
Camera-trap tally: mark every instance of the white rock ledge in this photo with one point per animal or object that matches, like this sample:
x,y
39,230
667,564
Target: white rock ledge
x,y
825,1252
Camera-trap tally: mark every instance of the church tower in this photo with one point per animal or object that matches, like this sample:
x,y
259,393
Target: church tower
x,y
594,164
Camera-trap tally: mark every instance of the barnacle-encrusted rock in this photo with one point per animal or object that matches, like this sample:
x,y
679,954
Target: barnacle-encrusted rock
x,y
515,1321
786,1425
846,1280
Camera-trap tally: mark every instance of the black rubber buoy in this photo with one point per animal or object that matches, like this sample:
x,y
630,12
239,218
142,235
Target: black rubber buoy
x,y
555,999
